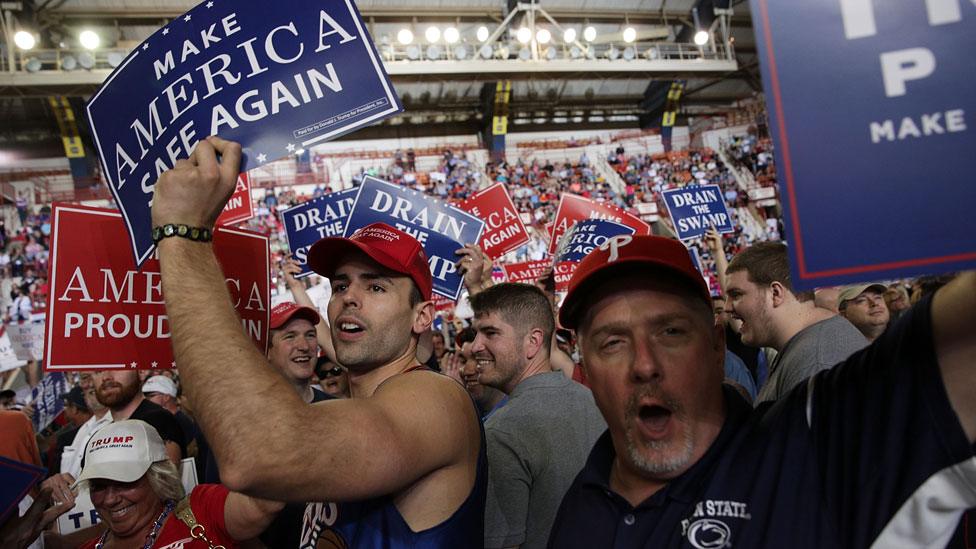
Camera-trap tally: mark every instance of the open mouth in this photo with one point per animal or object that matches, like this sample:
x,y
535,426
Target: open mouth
x,y
654,419
349,328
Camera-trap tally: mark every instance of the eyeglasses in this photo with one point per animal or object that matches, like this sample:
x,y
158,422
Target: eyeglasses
x,y
336,371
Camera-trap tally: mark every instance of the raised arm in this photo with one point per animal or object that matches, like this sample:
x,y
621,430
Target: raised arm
x,y
290,268
713,239
267,445
954,333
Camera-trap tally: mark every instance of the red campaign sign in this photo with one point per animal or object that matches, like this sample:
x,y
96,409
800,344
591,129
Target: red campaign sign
x,y
240,207
527,272
573,208
562,273
442,303
504,230
105,313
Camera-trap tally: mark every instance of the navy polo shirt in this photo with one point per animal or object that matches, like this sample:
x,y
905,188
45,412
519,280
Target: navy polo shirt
x,y
869,453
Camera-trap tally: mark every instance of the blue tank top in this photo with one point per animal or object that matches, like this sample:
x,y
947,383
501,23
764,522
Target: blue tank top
x,y
377,524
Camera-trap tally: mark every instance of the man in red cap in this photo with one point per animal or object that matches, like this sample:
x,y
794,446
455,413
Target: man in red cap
x,y
404,458
293,347
876,452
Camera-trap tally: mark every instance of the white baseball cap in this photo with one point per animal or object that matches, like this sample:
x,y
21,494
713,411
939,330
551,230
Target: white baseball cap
x,y
160,384
122,451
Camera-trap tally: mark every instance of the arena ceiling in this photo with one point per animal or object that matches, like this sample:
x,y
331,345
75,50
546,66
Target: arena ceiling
x,y
446,100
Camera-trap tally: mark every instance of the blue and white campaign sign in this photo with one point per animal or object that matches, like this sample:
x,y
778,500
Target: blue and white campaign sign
x,y
308,222
585,236
277,77
48,399
874,134
439,227
16,480
695,208
582,238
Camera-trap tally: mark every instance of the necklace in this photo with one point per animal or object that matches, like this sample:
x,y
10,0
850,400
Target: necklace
x,y
151,538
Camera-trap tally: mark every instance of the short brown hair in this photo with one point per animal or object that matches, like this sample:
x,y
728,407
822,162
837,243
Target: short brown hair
x,y
765,263
523,306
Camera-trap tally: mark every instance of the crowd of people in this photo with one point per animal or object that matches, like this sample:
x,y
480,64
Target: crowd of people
x,y
650,408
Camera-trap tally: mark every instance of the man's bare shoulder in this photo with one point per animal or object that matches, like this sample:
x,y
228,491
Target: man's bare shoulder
x,y
427,386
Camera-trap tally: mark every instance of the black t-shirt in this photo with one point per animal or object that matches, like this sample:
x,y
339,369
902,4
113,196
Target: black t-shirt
x,y
164,422
867,454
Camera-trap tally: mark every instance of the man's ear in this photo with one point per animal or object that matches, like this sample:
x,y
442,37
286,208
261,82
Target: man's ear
x,y
533,343
423,316
778,293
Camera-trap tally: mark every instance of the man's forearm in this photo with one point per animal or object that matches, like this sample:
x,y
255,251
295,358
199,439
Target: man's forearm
x,y
953,318
217,361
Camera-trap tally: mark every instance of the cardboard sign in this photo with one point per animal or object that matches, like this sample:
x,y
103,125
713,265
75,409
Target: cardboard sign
x,y
81,516
277,77
573,208
8,357
504,230
104,313
441,228
27,340
527,272
48,399
585,236
308,222
695,208
498,275
16,479
442,303
240,207
874,135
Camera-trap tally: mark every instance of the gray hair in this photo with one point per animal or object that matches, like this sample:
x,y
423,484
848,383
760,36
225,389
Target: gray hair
x,y
165,480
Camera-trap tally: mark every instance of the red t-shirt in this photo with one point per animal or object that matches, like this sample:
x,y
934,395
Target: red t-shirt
x,y
207,502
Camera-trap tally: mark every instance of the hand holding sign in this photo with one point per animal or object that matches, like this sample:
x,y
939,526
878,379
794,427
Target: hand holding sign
x,y
474,265
713,240
195,191
22,531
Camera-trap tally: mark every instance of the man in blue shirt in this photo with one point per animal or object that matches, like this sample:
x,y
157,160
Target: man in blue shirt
x,y
876,452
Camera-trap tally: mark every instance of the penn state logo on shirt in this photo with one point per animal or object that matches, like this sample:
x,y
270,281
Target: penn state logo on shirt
x,y
710,526
316,527
708,534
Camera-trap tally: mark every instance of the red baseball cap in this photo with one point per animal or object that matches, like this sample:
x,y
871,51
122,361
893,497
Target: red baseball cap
x,y
391,248
624,250
285,311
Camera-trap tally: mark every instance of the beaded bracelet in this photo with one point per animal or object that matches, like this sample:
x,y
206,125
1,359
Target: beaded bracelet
x,y
196,234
